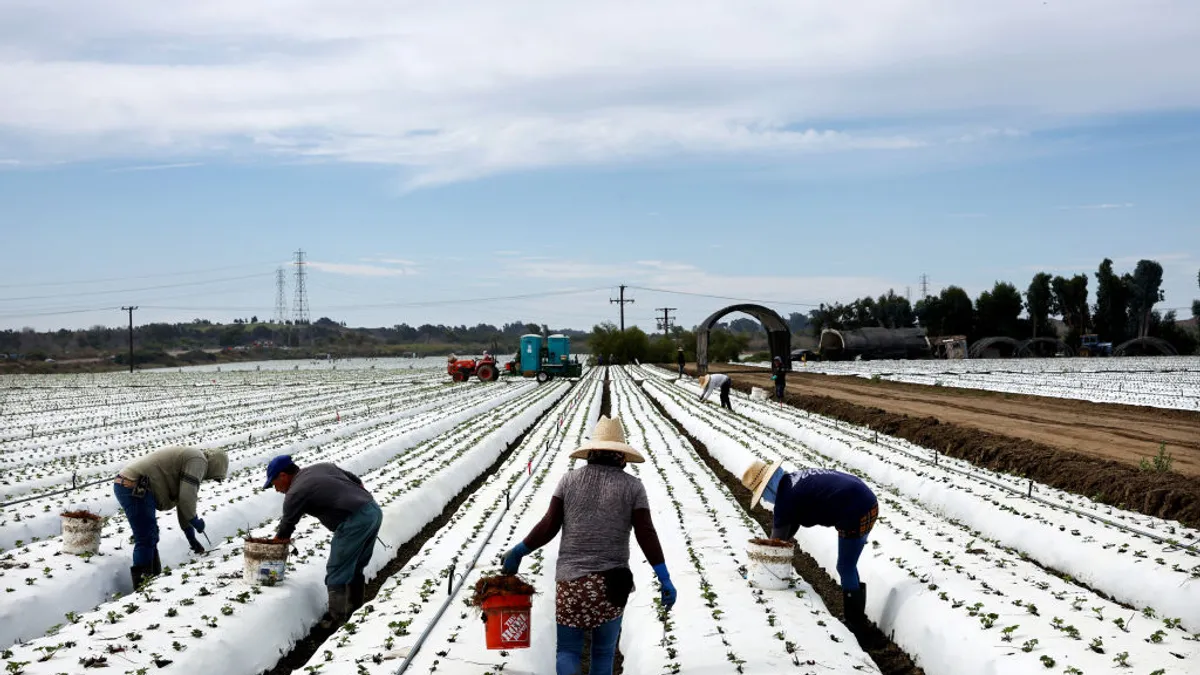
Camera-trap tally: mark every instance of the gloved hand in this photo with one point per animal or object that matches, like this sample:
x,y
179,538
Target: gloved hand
x,y
197,547
511,562
198,524
668,589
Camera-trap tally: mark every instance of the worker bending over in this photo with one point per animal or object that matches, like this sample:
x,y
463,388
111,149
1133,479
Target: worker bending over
x,y
824,497
338,499
718,381
160,481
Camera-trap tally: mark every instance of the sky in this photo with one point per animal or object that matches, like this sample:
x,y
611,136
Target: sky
x,y
467,162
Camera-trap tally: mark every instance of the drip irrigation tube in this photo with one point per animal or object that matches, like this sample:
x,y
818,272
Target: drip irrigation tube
x,y
43,495
555,435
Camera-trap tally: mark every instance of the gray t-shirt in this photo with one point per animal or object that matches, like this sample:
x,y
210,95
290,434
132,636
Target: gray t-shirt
x,y
325,491
598,505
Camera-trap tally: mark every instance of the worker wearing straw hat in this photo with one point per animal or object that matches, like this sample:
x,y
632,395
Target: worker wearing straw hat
x,y
595,506
823,497
718,381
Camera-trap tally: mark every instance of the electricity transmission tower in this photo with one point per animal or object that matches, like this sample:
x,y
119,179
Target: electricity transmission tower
x,y
622,303
280,298
300,303
665,322
924,286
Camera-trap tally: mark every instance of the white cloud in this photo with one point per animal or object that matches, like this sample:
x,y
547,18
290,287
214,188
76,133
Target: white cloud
x,y
157,167
455,90
1115,205
355,270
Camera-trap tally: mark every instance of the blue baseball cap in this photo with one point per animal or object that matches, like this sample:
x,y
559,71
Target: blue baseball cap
x,y
276,467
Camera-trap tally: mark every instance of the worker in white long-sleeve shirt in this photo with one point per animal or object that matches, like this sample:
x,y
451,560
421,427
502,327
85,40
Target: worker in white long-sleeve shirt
x,y
718,381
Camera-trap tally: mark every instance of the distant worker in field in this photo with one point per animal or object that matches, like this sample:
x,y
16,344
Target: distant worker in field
x,y
339,500
779,374
681,360
595,506
163,480
827,498
718,381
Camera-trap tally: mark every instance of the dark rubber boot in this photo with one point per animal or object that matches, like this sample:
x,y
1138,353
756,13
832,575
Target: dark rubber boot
x,y
854,606
339,607
156,564
358,594
139,574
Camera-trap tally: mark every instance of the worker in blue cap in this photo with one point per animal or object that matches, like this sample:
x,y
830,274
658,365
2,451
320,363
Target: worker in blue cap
x,y
824,497
338,499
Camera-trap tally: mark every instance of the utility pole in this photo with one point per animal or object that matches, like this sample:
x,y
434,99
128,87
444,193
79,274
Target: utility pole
x,y
665,322
622,302
130,310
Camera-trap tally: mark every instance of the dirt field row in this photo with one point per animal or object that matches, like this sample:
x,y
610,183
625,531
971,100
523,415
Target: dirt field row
x,y
1091,449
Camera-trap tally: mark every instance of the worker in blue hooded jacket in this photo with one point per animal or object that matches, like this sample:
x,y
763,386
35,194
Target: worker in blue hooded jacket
x,y
824,497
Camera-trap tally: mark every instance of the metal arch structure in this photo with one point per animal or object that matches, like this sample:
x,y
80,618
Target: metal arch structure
x,y
1157,343
983,345
1059,346
779,336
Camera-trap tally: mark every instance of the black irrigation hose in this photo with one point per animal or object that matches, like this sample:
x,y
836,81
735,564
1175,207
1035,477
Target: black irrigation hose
x,y
74,486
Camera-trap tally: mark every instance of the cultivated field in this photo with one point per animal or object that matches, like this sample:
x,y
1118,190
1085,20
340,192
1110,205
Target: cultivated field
x,y
969,571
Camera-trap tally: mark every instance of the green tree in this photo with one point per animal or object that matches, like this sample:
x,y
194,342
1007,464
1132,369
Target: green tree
x,y
959,317
1071,303
998,311
893,311
1145,289
1038,299
1196,304
1111,315
797,322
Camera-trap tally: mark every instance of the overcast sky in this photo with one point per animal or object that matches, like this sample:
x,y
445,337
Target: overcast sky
x,y
464,162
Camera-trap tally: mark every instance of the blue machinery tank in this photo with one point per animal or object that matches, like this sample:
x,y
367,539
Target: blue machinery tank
x,y
531,353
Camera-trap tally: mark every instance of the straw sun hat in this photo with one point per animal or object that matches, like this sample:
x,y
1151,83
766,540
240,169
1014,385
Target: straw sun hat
x,y
756,478
608,435
704,380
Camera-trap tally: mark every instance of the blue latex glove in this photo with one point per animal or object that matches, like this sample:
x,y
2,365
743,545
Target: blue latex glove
x,y
668,589
511,562
198,524
197,547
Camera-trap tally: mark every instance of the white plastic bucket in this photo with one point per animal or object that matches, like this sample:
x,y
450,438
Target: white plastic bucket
x,y
770,566
81,532
758,394
265,561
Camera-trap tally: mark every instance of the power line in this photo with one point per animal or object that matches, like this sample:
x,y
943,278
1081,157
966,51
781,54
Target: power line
x,y
134,278
134,290
725,297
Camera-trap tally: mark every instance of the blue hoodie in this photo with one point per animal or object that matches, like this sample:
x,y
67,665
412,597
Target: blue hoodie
x,y
823,497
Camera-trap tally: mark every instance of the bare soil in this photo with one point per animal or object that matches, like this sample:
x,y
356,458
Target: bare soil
x,y
1091,449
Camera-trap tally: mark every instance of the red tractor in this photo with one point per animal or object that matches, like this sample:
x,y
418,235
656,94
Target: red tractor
x,y
461,370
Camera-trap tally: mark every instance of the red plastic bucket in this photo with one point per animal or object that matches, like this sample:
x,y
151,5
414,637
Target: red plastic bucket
x,y
508,624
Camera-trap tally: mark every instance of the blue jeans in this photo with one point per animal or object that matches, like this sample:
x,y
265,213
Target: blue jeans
x,y
847,561
604,648
143,520
352,546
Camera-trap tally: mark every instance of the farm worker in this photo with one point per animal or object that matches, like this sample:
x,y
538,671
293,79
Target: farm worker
x,y
680,359
338,499
823,497
779,374
718,381
163,480
595,506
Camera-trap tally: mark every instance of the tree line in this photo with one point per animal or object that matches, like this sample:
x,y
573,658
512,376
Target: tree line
x,y
1123,309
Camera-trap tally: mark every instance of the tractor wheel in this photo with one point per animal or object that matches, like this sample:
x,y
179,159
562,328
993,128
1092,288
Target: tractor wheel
x,y
543,377
486,373
1083,351
458,376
